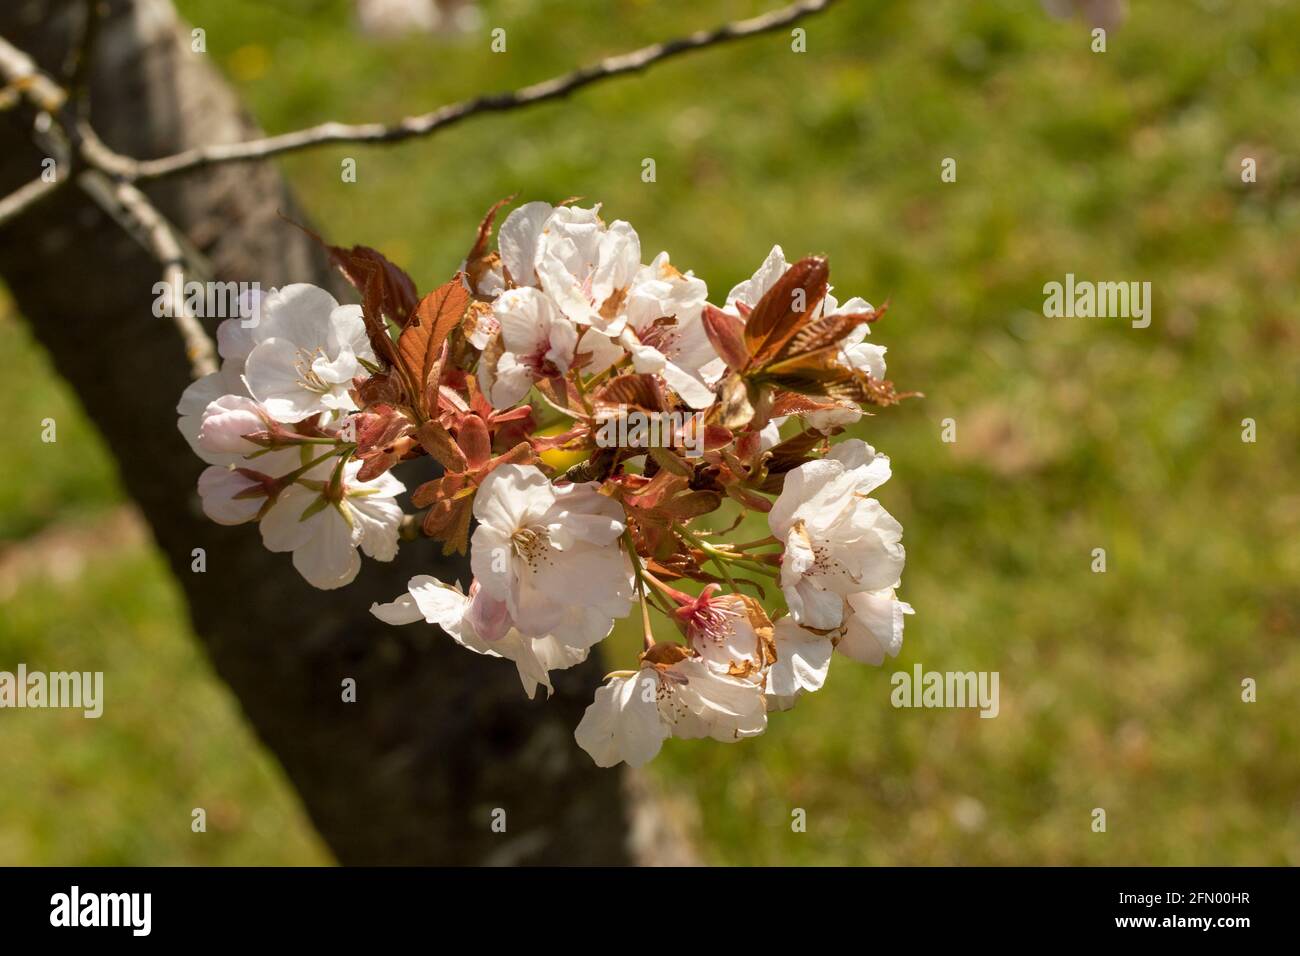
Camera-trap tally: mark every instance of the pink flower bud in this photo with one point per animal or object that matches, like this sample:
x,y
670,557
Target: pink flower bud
x,y
226,421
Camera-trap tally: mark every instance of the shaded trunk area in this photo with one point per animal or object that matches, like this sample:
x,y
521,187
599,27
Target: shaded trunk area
x,y
438,737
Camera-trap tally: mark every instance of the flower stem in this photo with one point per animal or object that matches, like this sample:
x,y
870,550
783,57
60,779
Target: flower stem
x,y
299,472
641,575
719,555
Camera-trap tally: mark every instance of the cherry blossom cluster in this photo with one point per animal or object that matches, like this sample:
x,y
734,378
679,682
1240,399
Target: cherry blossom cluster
x,y
509,376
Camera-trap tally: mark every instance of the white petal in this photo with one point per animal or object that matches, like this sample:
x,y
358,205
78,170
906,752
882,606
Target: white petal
x,y
812,606
623,722
512,496
802,660
518,240
329,560
727,707
282,527
800,485
299,312
693,391
581,513
274,377
347,332
401,610
752,289
218,487
874,626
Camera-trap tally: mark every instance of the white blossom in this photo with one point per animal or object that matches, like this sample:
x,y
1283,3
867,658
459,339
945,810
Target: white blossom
x,y
586,266
632,715
324,525
235,495
838,540
537,342
538,545
664,332
482,625
307,350
803,660
873,626
194,401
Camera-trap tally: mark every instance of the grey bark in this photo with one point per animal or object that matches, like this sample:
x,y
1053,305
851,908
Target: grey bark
x,y
438,737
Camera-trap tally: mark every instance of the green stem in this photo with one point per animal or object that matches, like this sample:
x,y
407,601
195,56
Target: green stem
x,y
718,555
299,472
641,574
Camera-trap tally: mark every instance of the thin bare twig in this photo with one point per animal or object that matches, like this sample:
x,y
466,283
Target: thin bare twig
x,y
26,196
22,74
423,125
24,81
160,237
110,177
72,136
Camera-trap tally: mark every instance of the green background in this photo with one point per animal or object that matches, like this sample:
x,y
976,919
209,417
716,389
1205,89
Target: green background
x,y
1119,690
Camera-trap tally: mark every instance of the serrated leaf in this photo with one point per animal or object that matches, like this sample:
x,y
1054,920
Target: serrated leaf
x,y
631,391
784,308
420,346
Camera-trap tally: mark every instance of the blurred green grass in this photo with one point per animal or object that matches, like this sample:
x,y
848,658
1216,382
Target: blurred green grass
x,y
1119,690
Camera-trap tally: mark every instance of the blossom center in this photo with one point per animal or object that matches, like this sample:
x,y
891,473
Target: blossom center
x,y
532,545
307,376
662,335
538,363
707,619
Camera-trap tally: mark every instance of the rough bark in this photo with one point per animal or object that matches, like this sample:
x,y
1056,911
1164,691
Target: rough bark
x,y
438,737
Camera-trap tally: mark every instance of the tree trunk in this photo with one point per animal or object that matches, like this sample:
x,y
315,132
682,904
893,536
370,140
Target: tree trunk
x,y
438,737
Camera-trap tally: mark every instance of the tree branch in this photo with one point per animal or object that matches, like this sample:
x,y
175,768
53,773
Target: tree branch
x,y
415,126
140,217
25,196
110,176
128,206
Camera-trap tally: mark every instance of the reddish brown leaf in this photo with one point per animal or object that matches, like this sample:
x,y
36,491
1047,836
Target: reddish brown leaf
x,y
693,504
792,403
521,454
420,345
827,332
630,391
456,535
437,441
784,308
485,228
385,291
726,333
480,261
473,438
